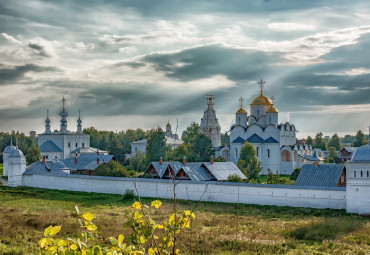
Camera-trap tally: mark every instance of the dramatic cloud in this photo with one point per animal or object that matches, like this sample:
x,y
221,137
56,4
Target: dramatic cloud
x,y
130,64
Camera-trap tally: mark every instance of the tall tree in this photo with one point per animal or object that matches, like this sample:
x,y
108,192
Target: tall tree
x,y
225,139
115,148
33,155
203,148
334,142
248,162
359,139
309,140
189,135
319,141
156,145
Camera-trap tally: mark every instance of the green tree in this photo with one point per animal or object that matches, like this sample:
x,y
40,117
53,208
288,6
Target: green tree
x,y
156,145
112,168
359,139
115,148
138,162
203,148
179,153
319,141
190,134
309,140
225,139
348,139
334,142
248,162
33,155
295,174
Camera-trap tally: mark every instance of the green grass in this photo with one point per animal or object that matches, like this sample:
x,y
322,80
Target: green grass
x,y
218,228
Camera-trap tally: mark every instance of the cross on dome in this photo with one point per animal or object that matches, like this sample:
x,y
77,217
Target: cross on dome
x,y
241,99
261,84
272,98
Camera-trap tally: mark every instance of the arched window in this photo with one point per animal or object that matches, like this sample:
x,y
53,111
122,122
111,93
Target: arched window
x,y
268,153
257,151
258,112
361,173
354,173
285,156
236,152
367,173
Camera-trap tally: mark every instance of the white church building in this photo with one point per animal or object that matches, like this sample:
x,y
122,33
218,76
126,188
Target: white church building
x,y
275,143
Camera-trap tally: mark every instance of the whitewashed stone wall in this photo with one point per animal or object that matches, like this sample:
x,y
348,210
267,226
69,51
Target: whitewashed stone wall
x,y
280,195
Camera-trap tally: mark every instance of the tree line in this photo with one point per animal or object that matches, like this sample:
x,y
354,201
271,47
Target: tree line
x,y
324,143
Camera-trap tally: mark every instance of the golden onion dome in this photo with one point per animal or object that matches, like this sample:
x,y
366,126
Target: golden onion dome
x,y
272,109
261,100
168,124
241,110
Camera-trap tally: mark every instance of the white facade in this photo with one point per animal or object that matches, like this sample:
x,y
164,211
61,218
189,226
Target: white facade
x,y
60,144
275,144
209,123
358,181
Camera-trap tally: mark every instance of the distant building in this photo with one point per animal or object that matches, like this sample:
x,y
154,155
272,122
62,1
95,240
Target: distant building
x,y
33,134
172,140
345,154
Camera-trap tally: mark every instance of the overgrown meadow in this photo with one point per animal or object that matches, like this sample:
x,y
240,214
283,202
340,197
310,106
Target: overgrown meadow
x,y
217,229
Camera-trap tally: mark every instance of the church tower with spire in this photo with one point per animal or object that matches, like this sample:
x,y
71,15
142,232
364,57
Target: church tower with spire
x,y
209,123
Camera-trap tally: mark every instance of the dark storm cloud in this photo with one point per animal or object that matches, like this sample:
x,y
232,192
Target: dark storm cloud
x,y
207,61
14,73
39,49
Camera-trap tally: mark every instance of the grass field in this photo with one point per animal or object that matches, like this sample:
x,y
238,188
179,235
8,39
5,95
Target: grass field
x,y
218,228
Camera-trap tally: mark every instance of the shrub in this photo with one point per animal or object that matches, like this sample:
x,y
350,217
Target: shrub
x,y
295,174
112,168
147,236
234,178
128,195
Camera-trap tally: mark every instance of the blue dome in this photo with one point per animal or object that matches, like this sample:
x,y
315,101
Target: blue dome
x,y
362,154
16,153
9,148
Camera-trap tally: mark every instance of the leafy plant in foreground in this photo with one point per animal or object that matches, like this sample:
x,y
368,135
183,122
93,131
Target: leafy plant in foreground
x,y
147,236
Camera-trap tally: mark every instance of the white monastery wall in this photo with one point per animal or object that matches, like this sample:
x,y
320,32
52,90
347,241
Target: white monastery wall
x,y
280,195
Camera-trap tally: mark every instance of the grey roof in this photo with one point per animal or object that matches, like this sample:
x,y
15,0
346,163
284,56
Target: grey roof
x,y
271,140
159,168
196,172
222,170
50,167
87,161
255,139
49,146
16,153
9,148
351,149
322,175
85,150
362,154
314,157
238,140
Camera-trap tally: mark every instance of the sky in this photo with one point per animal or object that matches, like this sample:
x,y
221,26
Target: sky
x,y
139,64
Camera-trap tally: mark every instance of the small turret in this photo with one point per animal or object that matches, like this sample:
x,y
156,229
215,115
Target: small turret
x,y
15,166
79,121
63,121
168,129
272,114
47,123
6,154
241,116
